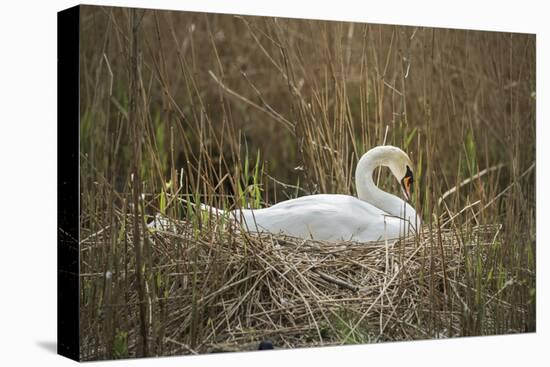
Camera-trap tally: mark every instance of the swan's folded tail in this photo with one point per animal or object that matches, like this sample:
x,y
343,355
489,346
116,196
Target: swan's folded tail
x,y
162,222
205,207
210,209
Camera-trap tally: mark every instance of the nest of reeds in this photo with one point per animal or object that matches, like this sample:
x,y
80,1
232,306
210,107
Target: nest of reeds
x,y
212,288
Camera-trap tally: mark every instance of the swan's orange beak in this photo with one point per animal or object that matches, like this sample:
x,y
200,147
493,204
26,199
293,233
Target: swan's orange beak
x,y
407,184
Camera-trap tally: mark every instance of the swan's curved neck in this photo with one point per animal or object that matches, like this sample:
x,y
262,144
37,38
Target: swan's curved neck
x,y
369,192
366,189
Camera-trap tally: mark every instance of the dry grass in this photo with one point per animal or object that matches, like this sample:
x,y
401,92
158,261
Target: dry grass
x,y
221,290
248,111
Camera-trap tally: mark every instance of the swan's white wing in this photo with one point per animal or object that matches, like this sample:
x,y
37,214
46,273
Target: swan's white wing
x,y
323,217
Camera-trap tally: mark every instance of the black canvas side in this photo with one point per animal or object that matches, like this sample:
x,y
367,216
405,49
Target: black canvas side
x,y
68,341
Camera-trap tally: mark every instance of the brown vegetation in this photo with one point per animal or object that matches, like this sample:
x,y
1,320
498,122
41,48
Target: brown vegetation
x,y
248,111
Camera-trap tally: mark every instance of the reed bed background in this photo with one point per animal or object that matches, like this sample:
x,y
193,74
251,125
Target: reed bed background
x,y
248,111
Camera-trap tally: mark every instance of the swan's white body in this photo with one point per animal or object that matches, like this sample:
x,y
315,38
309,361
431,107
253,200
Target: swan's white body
x,y
373,215
324,217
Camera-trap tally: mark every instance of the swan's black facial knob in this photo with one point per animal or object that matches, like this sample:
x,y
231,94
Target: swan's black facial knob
x,y
265,345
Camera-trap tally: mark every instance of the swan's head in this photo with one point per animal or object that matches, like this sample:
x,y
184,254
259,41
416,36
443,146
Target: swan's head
x,y
397,160
401,166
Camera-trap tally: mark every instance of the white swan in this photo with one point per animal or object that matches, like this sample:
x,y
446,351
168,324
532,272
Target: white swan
x,y
374,215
